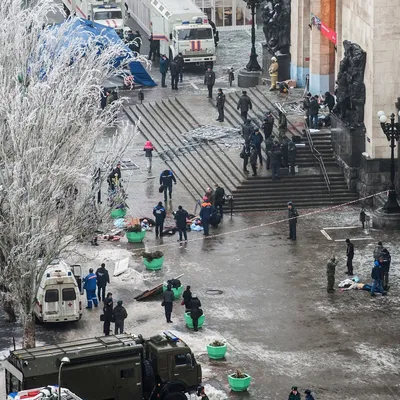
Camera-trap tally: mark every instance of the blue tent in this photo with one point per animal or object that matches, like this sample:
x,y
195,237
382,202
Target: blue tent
x,y
85,29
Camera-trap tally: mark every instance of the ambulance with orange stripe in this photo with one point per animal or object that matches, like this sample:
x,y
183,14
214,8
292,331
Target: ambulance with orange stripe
x,y
181,27
109,13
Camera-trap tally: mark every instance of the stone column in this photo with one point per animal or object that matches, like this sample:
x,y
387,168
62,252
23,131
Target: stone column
x,y
322,63
339,36
300,41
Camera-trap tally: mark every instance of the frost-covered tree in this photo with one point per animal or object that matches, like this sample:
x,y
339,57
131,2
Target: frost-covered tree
x,y
50,124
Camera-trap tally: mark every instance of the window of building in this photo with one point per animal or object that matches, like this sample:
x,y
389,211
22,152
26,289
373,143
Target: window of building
x,y
51,296
68,294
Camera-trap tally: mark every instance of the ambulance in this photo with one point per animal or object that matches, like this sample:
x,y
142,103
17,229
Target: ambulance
x,y
181,27
58,298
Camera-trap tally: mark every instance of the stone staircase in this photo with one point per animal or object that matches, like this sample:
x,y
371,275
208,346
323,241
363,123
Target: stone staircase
x,y
200,164
197,165
307,189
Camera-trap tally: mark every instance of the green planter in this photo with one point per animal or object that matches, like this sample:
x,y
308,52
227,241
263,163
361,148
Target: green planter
x,y
239,384
216,352
177,292
189,321
118,213
135,237
154,264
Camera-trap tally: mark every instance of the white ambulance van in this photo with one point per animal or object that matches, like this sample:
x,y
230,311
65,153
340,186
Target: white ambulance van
x,y
58,298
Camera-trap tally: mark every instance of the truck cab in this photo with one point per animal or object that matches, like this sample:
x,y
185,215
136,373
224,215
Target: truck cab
x,y
111,15
58,297
121,367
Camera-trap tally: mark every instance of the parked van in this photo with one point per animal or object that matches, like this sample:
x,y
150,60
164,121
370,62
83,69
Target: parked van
x,y
58,297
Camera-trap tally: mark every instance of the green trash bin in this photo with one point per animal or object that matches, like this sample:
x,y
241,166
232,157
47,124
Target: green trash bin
x,y
154,264
216,352
177,292
135,237
118,213
189,321
239,384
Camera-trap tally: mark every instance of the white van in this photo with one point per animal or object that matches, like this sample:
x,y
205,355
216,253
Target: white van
x,y
58,298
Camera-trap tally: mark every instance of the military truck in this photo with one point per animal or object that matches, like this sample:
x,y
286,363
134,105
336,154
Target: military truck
x,y
121,367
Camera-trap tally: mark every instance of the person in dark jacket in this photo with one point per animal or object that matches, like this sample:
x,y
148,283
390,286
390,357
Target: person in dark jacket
x,y
253,159
268,147
148,149
330,274
378,251
220,105
247,129
376,275
181,65
276,157
102,279
285,152
308,394
209,80
386,259
168,298
350,256
294,394
195,311
181,217
174,70
108,313
245,154
219,196
292,150
314,109
329,101
154,48
306,106
244,105
282,125
119,315
163,69
292,217
258,139
160,214
268,125
166,179
205,214
187,297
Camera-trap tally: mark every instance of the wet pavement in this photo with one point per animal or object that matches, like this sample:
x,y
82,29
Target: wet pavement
x,y
281,326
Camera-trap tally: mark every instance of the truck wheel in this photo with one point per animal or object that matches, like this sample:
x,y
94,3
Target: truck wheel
x,y
175,396
148,376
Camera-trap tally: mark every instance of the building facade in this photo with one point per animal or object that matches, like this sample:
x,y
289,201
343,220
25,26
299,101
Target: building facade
x,y
373,25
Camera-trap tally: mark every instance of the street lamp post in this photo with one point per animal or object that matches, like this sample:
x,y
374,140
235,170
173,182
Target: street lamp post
x,y
64,360
253,64
392,131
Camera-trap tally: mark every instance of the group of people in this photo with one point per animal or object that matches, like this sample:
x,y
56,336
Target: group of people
x,y
175,67
190,300
280,151
211,211
116,314
379,272
312,105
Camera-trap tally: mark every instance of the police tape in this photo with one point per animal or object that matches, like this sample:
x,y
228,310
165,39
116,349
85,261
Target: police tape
x,y
268,223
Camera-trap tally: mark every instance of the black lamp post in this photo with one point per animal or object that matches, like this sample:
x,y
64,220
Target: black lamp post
x,y
392,131
253,64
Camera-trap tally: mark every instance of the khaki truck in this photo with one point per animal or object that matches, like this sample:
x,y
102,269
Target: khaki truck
x,y
121,367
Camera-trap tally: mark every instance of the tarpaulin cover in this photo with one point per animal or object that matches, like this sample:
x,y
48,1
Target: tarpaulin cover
x,y
84,29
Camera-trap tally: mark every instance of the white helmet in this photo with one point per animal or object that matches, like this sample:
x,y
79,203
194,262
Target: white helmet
x,y
273,59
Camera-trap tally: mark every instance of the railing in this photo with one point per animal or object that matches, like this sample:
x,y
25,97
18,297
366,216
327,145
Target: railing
x,y
317,155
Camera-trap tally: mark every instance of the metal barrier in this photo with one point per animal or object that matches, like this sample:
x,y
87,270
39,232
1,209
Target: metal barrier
x,y
317,155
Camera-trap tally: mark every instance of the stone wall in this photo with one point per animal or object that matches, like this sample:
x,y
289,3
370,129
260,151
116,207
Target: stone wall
x,y
374,25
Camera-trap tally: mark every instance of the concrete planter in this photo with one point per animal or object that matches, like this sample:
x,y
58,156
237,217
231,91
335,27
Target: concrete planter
x,y
135,237
216,352
177,292
239,384
118,213
189,321
154,264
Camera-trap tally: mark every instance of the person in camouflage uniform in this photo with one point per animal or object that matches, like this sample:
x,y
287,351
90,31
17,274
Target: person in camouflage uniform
x,y
330,274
